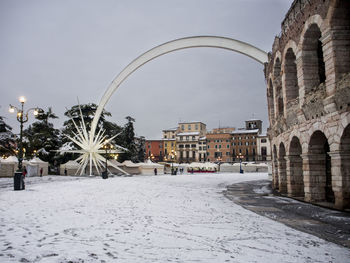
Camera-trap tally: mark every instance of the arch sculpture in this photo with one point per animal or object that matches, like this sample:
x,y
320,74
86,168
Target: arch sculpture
x,y
90,142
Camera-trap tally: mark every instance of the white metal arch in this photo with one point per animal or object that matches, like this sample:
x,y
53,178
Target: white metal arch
x,y
182,43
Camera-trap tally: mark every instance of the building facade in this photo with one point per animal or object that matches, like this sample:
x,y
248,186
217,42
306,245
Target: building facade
x,y
308,78
154,150
187,141
169,143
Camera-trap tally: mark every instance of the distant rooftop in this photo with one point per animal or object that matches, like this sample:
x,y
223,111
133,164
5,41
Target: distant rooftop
x,y
188,133
245,131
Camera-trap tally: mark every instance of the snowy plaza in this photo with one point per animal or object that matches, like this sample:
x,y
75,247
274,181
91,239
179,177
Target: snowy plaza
x,y
183,218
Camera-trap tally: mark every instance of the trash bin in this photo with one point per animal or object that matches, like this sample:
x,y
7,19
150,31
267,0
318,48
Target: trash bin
x,y
18,181
241,171
104,175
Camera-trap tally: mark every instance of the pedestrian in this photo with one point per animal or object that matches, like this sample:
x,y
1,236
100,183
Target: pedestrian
x,y
155,171
65,171
41,172
24,172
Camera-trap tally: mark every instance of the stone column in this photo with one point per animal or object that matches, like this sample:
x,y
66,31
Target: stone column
x,y
314,167
282,176
275,183
335,43
341,178
295,180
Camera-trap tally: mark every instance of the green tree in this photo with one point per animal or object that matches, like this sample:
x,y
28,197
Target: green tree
x,y
128,141
46,116
42,139
7,139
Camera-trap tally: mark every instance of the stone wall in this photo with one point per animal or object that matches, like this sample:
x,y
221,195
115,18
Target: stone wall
x,y
308,77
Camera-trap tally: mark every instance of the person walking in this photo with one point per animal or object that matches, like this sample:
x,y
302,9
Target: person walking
x,y
41,172
155,171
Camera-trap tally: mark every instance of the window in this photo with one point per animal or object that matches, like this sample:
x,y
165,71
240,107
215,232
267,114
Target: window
x,y
247,143
172,144
193,138
200,148
166,145
227,153
165,136
208,155
204,148
193,146
196,127
187,138
181,145
227,146
246,152
216,146
187,146
208,146
263,140
233,144
183,127
189,127
227,140
233,152
220,146
180,138
173,136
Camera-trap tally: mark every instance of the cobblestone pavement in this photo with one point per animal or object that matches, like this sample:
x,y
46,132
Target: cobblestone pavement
x,y
257,196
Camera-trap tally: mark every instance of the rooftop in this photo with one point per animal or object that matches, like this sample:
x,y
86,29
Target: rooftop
x,y
245,131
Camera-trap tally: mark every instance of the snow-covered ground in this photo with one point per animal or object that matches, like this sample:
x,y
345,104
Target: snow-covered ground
x,y
182,218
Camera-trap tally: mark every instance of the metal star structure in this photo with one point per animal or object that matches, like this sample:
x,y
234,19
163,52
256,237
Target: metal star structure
x,y
91,147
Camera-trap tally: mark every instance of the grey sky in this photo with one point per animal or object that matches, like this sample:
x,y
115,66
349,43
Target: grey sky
x,y
55,51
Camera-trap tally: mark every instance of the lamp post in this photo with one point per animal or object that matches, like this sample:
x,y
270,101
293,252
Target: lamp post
x,y
22,117
240,156
107,147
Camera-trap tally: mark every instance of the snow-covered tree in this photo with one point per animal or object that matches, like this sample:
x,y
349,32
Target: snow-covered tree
x,y
42,139
7,139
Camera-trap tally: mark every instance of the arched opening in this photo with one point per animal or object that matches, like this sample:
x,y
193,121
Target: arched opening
x,y
320,168
278,84
295,169
339,22
282,174
345,166
270,101
291,79
314,72
275,168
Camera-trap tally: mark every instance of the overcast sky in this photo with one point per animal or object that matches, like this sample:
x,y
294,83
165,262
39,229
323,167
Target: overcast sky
x,y
54,52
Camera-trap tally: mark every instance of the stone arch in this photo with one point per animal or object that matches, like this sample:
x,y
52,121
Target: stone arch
x,y
345,169
295,179
277,83
174,45
312,58
282,176
275,167
291,87
319,186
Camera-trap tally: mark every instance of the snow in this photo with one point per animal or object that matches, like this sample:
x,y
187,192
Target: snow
x,y
182,218
244,131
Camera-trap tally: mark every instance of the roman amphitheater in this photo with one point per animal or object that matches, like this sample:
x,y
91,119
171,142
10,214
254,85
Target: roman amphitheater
x,y
308,79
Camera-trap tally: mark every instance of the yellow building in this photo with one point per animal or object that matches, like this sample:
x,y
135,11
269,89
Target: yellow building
x,y
169,144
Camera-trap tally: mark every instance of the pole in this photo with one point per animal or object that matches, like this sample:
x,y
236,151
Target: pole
x,y
20,152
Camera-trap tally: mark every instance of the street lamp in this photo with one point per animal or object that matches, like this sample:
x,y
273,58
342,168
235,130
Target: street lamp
x,y
240,157
107,147
172,158
22,117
